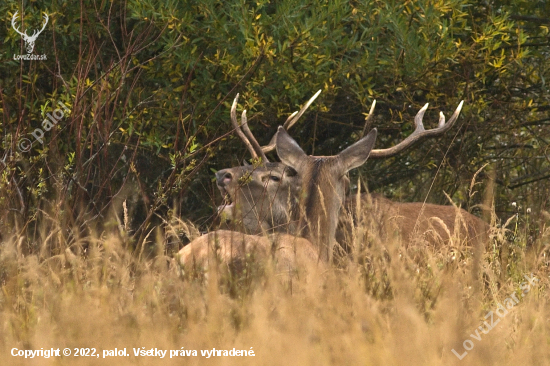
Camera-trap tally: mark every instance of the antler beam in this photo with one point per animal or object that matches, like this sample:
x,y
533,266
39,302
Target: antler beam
x,y
419,133
246,136
13,24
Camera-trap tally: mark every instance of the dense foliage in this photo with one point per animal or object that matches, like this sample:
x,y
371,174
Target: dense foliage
x,y
149,86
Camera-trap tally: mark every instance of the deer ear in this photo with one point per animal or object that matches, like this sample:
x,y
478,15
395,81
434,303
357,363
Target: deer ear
x,y
356,155
289,151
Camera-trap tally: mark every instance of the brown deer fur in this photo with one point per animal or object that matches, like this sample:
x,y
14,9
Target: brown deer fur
x,y
233,248
258,206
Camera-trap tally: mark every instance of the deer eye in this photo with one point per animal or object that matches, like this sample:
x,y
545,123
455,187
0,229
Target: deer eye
x,y
270,178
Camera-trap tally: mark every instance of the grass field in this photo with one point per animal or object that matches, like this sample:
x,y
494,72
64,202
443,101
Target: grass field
x,y
391,307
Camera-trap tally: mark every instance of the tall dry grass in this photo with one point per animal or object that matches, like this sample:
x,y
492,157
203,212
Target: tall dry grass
x,y
389,306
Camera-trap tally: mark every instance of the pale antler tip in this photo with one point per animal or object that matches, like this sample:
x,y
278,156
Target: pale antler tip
x,y
235,101
372,107
418,118
441,119
314,96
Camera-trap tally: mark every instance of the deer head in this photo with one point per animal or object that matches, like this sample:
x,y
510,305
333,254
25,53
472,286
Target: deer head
x,y
29,40
260,197
323,187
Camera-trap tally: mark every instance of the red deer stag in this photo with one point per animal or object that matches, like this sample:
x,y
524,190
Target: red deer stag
x,y
315,187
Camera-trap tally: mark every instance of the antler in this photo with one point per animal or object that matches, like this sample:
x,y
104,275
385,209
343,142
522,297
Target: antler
x,y
248,138
419,132
13,24
46,18
36,33
290,121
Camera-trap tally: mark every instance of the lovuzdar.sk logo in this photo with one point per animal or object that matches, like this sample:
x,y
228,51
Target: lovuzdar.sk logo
x,y
29,40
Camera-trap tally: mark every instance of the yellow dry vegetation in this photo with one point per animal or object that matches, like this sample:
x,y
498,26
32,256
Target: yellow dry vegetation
x,y
388,306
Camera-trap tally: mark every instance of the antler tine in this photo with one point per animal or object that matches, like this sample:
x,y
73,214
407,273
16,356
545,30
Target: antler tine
x,y
238,130
287,122
13,24
251,138
368,120
290,121
46,18
419,133
441,120
306,106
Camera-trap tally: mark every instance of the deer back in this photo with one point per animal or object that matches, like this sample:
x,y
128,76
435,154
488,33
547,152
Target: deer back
x,y
407,222
233,249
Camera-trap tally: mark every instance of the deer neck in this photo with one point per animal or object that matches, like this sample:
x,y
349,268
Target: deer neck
x,y
321,202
